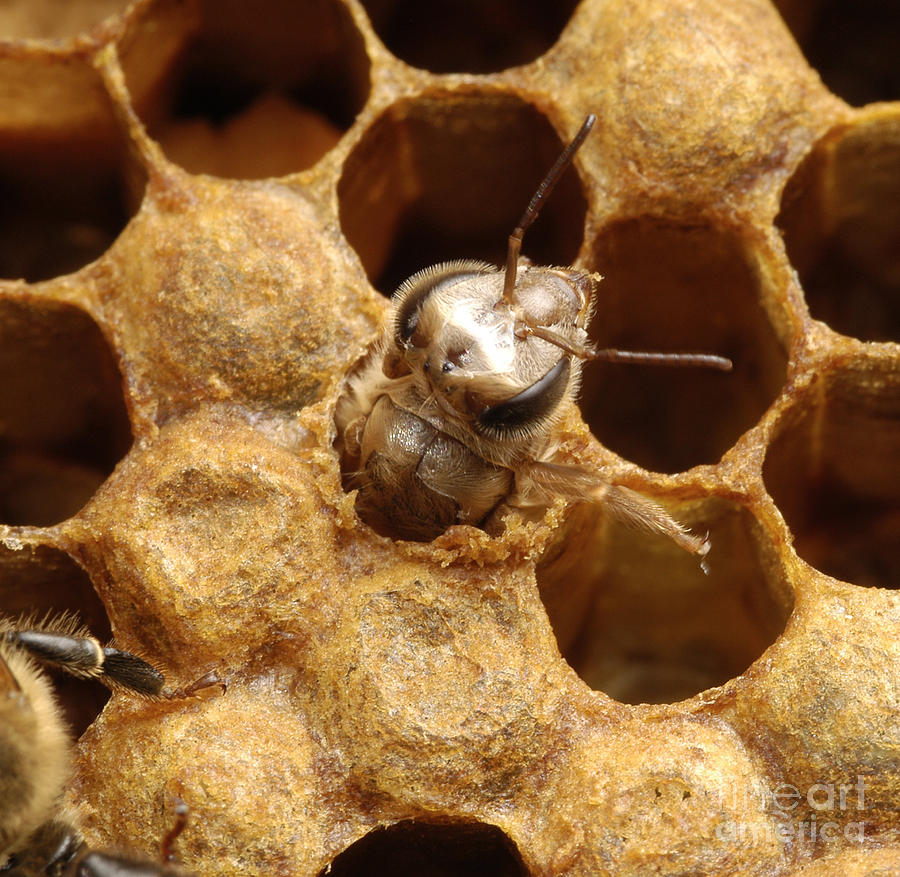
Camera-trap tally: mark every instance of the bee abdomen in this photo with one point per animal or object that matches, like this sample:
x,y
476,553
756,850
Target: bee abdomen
x,y
417,481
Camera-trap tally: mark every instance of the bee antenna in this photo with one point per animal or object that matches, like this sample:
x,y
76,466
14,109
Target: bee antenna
x,y
534,206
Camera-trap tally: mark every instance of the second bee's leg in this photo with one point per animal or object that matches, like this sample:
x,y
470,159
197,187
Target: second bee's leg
x,y
79,654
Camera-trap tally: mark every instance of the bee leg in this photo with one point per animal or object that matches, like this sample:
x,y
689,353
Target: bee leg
x,y
51,851
580,485
62,843
206,687
78,653
99,864
167,851
638,511
132,672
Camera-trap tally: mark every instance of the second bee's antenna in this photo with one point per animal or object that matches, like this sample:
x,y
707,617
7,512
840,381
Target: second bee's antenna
x,y
534,206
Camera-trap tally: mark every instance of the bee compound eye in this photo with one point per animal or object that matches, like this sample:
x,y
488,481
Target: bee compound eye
x,y
530,407
412,294
406,321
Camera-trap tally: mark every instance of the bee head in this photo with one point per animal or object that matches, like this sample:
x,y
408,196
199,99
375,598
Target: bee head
x,y
457,336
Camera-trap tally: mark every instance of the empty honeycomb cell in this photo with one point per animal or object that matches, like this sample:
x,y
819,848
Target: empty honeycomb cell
x,y
54,19
447,176
246,92
832,470
853,46
672,287
416,848
65,425
37,580
468,36
840,216
67,186
638,619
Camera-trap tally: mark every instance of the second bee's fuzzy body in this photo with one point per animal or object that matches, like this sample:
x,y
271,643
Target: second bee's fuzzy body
x,y
38,837
34,750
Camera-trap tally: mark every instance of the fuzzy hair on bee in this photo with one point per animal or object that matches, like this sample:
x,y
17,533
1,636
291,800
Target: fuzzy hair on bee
x,y
449,419
37,835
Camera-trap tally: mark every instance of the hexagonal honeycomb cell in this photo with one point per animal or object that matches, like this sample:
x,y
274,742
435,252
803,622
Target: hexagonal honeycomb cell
x,y
205,209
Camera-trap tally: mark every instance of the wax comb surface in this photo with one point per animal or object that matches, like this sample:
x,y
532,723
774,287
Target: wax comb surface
x,y
203,214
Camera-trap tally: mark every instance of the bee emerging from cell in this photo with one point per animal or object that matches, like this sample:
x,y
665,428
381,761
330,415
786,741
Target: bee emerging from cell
x,y
449,419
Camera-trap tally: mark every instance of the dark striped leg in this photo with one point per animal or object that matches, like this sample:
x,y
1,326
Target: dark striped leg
x,y
78,653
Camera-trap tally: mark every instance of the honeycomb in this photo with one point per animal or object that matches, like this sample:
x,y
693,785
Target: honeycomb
x,y
204,211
